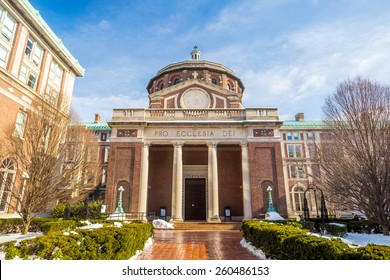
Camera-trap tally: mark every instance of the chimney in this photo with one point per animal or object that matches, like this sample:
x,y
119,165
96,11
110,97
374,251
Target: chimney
x,y
97,118
300,117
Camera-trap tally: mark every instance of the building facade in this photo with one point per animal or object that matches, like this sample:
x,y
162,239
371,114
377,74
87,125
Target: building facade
x,y
195,151
34,65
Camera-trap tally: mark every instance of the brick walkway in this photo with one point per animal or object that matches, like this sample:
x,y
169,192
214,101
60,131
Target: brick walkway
x,y
197,245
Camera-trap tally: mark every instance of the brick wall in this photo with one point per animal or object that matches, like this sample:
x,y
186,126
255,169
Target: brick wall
x,y
265,167
160,179
230,180
124,169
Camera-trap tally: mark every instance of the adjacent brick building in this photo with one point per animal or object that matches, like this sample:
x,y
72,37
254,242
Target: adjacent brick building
x,y
34,65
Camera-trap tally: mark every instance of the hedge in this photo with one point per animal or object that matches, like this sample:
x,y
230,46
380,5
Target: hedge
x,y
107,243
15,225
279,241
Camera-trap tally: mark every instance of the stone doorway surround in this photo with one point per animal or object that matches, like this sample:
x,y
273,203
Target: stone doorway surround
x,y
196,172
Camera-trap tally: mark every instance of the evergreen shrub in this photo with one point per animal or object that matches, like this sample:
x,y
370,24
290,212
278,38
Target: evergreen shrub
x,y
279,241
335,229
107,243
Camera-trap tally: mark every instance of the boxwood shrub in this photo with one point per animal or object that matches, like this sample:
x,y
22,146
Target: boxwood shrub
x,y
107,243
15,225
279,241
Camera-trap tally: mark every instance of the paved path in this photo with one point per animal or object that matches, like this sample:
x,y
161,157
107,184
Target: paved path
x,y
197,245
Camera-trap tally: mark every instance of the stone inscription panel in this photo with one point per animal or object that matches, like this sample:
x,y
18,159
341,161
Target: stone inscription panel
x,y
194,133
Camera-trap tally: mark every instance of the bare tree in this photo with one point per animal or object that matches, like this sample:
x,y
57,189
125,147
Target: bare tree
x,y
355,150
54,161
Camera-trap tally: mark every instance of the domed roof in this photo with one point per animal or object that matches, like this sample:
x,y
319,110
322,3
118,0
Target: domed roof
x,y
193,64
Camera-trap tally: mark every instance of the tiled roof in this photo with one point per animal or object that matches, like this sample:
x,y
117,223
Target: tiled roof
x,y
302,125
194,64
98,126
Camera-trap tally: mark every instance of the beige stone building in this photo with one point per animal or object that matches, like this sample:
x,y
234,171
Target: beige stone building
x,y
195,151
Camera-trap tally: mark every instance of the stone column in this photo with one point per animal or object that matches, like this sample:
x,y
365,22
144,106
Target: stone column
x,y
213,183
246,190
143,194
177,183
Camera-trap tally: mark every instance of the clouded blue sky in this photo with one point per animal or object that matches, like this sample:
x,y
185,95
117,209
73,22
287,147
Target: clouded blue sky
x,y
289,54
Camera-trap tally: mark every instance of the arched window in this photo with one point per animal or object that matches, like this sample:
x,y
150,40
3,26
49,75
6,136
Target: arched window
x,y
162,86
176,81
298,197
229,87
7,178
214,81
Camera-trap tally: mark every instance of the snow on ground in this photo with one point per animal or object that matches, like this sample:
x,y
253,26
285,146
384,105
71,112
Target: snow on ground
x,y
363,239
257,252
148,243
161,224
274,216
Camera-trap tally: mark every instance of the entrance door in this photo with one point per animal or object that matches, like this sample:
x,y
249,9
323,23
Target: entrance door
x,y
195,199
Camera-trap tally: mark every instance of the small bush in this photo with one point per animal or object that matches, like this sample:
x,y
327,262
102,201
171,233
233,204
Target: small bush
x,y
50,227
77,210
308,247
335,229
374,252
364,226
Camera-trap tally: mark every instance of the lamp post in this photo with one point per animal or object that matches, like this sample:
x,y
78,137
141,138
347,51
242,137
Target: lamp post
x,y
270,203
119,209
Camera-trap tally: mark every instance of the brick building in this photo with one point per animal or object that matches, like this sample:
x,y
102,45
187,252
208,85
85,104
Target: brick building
x,y
34,65
195,150
299,143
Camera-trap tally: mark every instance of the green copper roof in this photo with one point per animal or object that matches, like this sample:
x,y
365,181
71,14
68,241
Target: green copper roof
x,y
98,126
53,37
302,125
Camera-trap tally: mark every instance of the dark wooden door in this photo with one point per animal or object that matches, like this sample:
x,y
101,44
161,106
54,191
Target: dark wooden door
x,y
195,199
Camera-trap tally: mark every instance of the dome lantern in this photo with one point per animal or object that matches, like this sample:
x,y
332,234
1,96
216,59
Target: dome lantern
x,y
195,54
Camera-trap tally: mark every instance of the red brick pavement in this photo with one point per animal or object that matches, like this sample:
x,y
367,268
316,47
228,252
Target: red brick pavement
x,y
197,245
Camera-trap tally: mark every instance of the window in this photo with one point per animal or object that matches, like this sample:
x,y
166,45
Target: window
x,y
294,151
104,176
55,74
7,26
27,76
33,51
296,172
315,169
296,135
214,81
289,136
3,57
7,178
20,124
51,94
106,154
176,81
312,151
309,136
298,197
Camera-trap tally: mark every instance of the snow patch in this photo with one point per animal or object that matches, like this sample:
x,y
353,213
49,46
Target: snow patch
x,y
161,224
118,224
91,226
273,216
339,225
257,252
148,243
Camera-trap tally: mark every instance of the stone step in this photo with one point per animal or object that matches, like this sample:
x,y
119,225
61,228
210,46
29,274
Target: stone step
x,y
207,226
